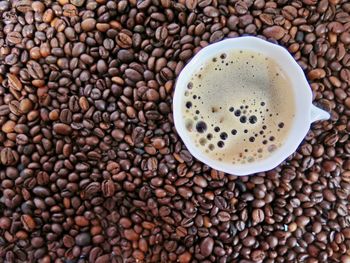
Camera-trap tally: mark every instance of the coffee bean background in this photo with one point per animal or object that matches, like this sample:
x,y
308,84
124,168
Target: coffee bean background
x,y
92,169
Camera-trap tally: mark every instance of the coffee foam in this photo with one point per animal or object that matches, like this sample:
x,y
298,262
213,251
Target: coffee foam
x,y
238,107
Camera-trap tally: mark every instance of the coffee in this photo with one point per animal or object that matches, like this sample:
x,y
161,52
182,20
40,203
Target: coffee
x,y
238,107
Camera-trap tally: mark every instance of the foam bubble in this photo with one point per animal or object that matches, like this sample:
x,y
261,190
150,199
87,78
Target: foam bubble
x,y
221,144
253,119
189,125
202,141
243,119
188,104
223,135
271,148
201,126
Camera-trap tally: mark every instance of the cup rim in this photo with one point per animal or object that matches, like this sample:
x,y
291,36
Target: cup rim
x,y
297,77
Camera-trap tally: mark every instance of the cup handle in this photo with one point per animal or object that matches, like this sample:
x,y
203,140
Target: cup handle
x,y
317,114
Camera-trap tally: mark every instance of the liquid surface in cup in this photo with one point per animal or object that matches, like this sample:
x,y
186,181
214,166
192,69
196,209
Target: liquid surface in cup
x,y
238,107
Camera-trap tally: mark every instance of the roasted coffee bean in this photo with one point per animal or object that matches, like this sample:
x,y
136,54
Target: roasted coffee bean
x,y
276,32
206,246
28,222
14,82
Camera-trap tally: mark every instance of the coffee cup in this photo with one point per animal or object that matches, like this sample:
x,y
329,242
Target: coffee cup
x,y
243,105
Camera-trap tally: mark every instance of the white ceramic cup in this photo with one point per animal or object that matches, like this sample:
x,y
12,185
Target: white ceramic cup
x,y
305,111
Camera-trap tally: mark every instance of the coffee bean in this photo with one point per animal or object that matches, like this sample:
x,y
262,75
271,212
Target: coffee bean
x,y
241,7
14,38
25,105
108,188
28,222
130,234
185,257
62,129
14,82
276,32
224,216
83,239
211,11
4,110
125,55
316,74
88,24
133,75
258,215
8,127
206,246
23,6
5,222
77,2
8,156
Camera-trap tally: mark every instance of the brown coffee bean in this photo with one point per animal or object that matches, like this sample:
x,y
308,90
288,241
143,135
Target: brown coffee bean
x,y
185,192
8,127
25,105
328,195
35,70
130,234
77,2
108,188
8,156
185,257
241,7
206,246
68,241
62,129
216,36
5,222
124,40
345,75
211,11
14,38
316,74
258,215
28,222
4,110
88,24
133,75
276,32
258,255
23,6
83,239
224,216
14,82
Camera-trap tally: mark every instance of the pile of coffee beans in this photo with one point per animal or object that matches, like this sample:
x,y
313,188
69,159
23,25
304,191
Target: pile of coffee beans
x,y
92,169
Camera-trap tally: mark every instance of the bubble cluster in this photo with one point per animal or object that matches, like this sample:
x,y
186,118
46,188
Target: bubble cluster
x,y
235,108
